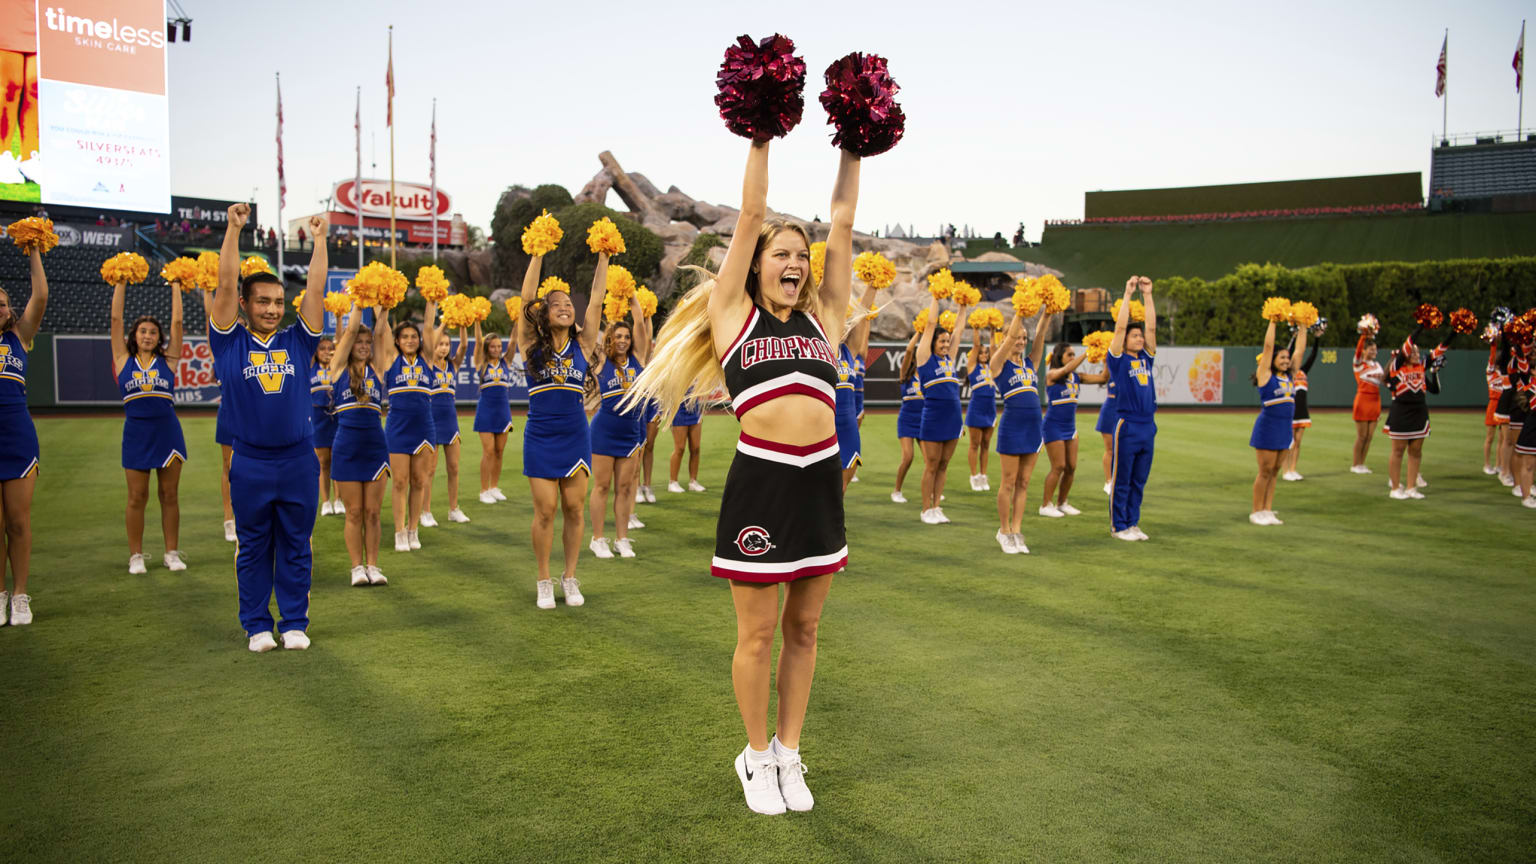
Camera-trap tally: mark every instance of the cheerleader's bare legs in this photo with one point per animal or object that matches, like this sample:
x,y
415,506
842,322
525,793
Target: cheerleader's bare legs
x,y
757,615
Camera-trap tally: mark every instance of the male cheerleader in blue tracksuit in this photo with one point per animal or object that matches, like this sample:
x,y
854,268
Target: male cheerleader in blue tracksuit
x,y
274,475
1131,353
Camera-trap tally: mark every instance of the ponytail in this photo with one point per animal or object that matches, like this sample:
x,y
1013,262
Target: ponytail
x,y
684,358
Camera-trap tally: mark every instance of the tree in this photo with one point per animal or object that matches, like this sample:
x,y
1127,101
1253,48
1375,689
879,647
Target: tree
x,y
517,207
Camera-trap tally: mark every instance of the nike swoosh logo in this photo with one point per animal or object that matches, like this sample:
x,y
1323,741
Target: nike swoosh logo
x,y
748,767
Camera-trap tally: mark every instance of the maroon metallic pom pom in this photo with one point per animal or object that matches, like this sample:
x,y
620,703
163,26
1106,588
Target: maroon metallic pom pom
x,y
861,102
761,87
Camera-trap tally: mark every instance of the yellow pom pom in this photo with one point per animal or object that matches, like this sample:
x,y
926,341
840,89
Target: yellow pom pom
x,y
964,294
1138,311
125,268
181,272
1096,345
33,232
995,319
432,284
514,307
338,303
649,302
299,300
948,320
1054,296
542,235
621,283
1303,314
208,271
604,236
818,261
1026,297
874,270
920,323
462,310
378,284
553,283
480,308
977,319
254,264
941,284
1276,309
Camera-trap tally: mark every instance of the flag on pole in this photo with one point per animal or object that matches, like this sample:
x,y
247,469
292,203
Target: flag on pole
x,y
389,83
1440,69
432,151
282,184
1520,59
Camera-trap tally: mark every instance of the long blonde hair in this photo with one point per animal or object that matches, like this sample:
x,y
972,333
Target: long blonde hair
x,y
684,358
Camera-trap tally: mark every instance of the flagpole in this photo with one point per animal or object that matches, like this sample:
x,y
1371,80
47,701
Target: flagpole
x,y
434,180
357,177
282,235
392,241
1445,104
1520,85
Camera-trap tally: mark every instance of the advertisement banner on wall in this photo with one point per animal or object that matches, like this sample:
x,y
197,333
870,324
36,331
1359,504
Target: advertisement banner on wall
x,y
103,124
83,372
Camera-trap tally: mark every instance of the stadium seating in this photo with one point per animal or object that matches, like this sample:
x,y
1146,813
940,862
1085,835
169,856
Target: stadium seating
x,y
1245,215
1483,171
78,300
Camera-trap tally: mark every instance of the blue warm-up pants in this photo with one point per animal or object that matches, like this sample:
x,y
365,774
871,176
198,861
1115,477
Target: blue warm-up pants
x,y
275,501
1132,464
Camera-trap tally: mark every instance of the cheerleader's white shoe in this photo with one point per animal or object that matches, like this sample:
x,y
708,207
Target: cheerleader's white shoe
x,y
1006,541
572,590
938,516
1420,483
674,486
413,539
650,494
359,576
1068,509
1515,491
261,643
1050,511
428,520
1257,518
136,565
546,594
1109,489
402,541
626,549
1138,533
1529,501
695,486
927,517
599,547
898,498
1415,493
1271,518
1399,494
634,522
229,530
1507,479
639,494
498,494
172,560
457,515
1489,469
295,640
1123,535
1018,543
376,576
486,497
325,508
338,508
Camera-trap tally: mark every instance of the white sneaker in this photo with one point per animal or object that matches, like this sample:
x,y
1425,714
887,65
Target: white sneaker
x,y
1270,518
639,495
486,497
1527,501
136,565
634,522
376,576
1365,469
1018,543
1257,518
650,494
986,483
338,508
975,484
21,610
898,498
928,516
325,508
295,640
498,494
572,590
413,538
5,606
1291,476
1109,489
1421,482
695,486
760,784
1049,510
626,549
1137,532
172,560
457,515
1399,494
359,576
674,486
938,516
1068,509
855,479
1123,535
1414,493
1006,541
1515,491
402,541
546,594
229,530
1489,469
428,520
599,547
1507,479
261,643
792,771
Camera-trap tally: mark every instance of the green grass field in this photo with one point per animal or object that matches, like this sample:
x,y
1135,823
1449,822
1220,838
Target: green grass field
x,y
1359,685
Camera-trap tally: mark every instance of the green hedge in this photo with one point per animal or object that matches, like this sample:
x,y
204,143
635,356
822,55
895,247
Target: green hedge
x,y
1225,311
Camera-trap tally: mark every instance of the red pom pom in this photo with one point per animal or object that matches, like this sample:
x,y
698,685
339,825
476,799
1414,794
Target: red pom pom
x,y
1463,320
861,102
761,87
1429,315
1520,328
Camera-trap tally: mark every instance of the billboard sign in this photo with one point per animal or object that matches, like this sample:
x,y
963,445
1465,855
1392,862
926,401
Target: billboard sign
x,y
413,201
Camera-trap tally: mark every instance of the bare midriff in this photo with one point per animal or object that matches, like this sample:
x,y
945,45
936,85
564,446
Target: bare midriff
x,y
793,419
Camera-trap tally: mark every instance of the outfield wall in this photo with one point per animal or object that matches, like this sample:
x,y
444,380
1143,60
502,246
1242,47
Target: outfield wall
x,y
1242,197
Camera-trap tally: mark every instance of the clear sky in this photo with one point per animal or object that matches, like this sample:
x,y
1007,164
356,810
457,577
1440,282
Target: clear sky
x,y
1014,109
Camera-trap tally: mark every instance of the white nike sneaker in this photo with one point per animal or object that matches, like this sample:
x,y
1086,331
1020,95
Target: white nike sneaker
x,y
1399,494
927,517
1018,543
1527,501
457,515
21,610
1257,518
486,497
376,576
572,589
546,594
1137,532
1006,541
338,508
136,565
1415,493
975,486
650,494
695,486
1421,482
639,495
428,520
1507,479
1109,489
599,547
325,508
760,784
938,516
402,541
229,530
634,522
1049,510
1068,509
624,547
674,486
1489,469
1292,476
261,643
1272,519
359,576
413,538
797,796
172,560
5,607
498,494
295,640
1123,535
898,498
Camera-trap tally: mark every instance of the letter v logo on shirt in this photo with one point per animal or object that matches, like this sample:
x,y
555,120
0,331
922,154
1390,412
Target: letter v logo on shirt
x,y
270,375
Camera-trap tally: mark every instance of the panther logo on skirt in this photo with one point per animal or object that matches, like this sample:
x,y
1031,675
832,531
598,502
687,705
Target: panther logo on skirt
x,y
753,541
